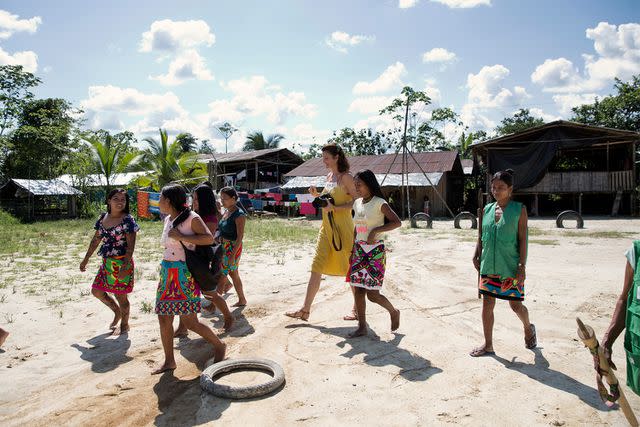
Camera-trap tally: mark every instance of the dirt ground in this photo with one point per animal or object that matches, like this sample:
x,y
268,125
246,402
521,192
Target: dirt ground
x,y
60,366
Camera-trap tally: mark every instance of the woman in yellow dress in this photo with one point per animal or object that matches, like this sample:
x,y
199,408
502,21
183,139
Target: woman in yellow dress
x,y
335,239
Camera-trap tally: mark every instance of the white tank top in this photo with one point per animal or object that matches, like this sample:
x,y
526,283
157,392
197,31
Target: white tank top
x,y
367,216
173,250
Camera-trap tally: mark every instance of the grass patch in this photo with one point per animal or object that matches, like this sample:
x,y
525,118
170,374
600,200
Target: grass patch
x,y
544,242
147,307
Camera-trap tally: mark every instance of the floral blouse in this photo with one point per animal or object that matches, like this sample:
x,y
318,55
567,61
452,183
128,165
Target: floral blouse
x,y
114,240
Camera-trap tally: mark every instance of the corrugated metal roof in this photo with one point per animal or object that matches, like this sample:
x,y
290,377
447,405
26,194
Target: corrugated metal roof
x,y
46,187
244,155
439,161
98,180
392,180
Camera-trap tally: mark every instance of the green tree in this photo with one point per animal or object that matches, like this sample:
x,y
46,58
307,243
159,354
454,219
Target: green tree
x,y
400,108
432,135
521,120
257,141
15,85
170,163
42,139
206,148
618,111
466,140
361,142
188,142
110,157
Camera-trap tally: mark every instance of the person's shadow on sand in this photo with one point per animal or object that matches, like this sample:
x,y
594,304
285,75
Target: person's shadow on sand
x,y
105,354
381,353
241,325
540,372
182,402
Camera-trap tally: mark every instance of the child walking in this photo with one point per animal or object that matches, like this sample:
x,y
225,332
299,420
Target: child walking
x,y
367,266
116,229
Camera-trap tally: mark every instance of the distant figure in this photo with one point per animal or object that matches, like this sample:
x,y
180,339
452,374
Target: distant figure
x,y
368,259
500,258
426,205
116,229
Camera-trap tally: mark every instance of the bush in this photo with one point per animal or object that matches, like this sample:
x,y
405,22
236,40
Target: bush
x,y
7,219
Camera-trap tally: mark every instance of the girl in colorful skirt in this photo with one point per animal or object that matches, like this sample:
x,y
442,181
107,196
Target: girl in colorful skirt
x,y
116,229
500,258
178,293
367,267
231,234
204,204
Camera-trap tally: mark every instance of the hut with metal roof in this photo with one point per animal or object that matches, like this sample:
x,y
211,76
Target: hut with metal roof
x,y
39,199
566,165
443,171
250,170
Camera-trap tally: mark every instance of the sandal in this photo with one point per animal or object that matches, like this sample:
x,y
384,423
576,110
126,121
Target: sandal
x,y
299,314
532,342
352,316
481,351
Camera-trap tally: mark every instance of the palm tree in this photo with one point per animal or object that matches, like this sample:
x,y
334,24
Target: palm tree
x,y
256,141
109,157
170,163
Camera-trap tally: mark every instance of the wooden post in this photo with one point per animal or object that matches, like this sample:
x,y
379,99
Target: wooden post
x,y
255,187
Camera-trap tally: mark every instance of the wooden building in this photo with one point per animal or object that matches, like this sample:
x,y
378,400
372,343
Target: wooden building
x,y
443,169
250,170
39,199
566,165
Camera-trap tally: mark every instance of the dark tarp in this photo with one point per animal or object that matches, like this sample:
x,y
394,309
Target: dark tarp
x,y
530,162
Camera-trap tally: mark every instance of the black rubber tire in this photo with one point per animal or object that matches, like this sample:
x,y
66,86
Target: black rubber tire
x,y
241,392
420,216
465,215
569,215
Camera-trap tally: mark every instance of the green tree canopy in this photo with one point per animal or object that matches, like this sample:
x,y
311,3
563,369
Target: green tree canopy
x,y
521,120
257,141
188,142
15,90
110,157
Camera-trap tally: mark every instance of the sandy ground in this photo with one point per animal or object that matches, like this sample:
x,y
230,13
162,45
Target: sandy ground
x,y
61,368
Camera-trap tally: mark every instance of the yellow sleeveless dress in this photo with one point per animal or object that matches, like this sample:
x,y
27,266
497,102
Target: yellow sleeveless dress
x,y
327,260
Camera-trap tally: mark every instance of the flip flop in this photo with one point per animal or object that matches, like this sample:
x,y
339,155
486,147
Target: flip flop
x,y
532,342
481,351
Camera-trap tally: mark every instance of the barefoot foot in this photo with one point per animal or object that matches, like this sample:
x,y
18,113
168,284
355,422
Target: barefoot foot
x,y
3,336
240,304
163,368
395,321
116,319
360,332
180,333
122,330
228,323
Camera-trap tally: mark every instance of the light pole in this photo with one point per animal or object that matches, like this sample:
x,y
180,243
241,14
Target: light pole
x,y
226,130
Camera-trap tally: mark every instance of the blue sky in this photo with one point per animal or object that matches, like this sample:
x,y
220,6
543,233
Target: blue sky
x,y
306,68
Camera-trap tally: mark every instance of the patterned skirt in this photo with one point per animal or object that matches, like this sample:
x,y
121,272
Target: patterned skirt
x,y
507,288
367,266
107,279
229,262
178,293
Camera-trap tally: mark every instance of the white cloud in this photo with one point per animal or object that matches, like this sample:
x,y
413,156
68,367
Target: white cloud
x,y
301,136
438,54
406,4
172,36
487,92
188,65
341,41
538,112
255,96
463,4
565,102
617,55
28,59
10,24
369,104
390,79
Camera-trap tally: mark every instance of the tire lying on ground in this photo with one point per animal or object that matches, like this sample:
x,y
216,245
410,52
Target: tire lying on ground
x,y
569,215
421,217
465,215
208,383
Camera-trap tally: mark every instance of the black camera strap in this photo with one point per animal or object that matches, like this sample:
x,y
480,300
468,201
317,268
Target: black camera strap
x,y
334,231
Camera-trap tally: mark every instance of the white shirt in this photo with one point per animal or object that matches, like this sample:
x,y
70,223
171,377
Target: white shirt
x,y
367,216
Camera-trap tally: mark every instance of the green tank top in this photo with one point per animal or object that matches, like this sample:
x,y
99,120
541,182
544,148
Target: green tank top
x,y
632,327
500,251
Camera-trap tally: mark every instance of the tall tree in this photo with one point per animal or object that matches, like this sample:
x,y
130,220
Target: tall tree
x,y
188,142
619,111
361,142
401,107
15,90
257,141
110,158
206,148
521,120
433,135
169,162
41,140
467,139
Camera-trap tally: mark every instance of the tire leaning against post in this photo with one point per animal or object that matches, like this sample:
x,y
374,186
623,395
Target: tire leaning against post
x,y
465,215
569,215
208,383
420,216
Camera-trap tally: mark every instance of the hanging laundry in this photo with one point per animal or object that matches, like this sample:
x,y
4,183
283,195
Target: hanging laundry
x,y
307,209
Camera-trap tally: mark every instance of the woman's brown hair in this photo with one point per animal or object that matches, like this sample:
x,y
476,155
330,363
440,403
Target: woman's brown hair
x,y
336,150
